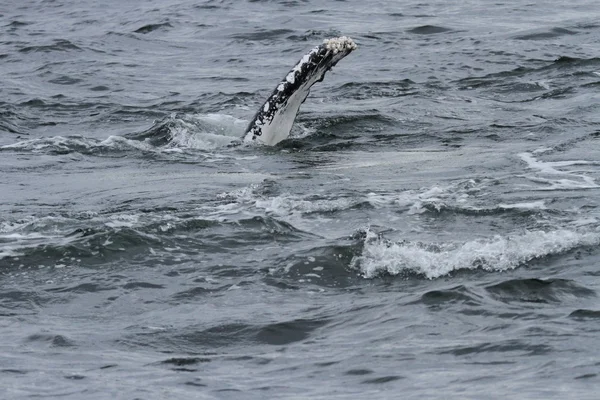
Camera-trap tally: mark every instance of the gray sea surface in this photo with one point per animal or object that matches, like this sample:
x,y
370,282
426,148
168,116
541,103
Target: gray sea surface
x,y
429,231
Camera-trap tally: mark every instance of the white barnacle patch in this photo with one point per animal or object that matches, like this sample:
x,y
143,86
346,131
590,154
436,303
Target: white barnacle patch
x,y
291,77
304,60
342,43
266,107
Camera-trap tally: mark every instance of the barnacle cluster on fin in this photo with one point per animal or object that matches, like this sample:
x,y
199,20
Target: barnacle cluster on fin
x,y
342,43
273,121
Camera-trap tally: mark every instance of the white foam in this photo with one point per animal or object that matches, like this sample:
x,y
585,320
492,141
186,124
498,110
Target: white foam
x,y
122,143
498,253
60,143
13,244
572,179
284,204
204,131
123,220
532,205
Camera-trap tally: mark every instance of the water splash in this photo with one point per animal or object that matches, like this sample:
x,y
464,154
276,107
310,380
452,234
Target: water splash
x,y
434,260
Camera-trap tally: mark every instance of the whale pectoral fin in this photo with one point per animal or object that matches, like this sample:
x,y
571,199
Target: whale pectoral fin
x,y
273,121
307,93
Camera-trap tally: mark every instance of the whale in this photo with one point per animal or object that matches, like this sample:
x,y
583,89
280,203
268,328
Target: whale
x,y
273,121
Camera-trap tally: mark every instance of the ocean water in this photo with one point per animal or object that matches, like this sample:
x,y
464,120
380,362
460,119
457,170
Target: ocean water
x,y
430,230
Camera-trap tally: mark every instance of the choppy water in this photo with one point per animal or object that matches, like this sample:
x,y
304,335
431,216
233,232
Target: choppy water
x,y
430,231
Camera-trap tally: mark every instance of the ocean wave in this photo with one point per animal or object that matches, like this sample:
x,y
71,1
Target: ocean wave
x,y
60,240
433,260
202,132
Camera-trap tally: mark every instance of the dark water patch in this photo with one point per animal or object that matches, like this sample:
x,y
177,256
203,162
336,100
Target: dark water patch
x,y
559,93
36,105
13,122
272,228
428,30
493,79
327,266
191,294
507,346
359,371
281,283
65,80
14,371
586,376
224,270
195,383
448,210
180,362
160,134
538,290
347,131
383,379
314,35
17,24
189,224
287,3
262,34
520,87
230,334
283,333
82,288
193,340
437,299
503,79
219,101
142,285
253,360
326,363
591,84
574,62
61,45
50,340
585,315
94,245
153,27
22,300
337,145
551,34
75,377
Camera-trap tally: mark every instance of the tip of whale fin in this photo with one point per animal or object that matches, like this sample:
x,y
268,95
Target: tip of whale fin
x,y
274,119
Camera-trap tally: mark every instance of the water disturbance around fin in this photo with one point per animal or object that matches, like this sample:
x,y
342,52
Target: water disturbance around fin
x,y
274,119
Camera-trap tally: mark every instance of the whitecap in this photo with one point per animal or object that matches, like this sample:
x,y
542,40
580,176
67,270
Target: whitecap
x,y
433,260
